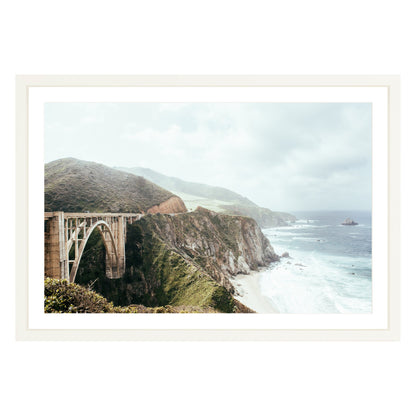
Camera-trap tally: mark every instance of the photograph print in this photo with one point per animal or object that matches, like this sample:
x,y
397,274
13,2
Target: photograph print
x,y
208,208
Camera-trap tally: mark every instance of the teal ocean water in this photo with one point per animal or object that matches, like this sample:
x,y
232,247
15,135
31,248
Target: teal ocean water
x,y
329,265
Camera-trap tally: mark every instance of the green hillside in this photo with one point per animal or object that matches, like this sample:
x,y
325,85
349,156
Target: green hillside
x,y
74,185
214,198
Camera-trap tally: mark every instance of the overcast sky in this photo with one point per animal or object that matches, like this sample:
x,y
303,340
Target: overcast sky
x,y
287,157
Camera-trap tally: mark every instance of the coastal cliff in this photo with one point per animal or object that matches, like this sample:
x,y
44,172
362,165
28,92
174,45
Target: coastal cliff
x,y
190,259
181,260
222,245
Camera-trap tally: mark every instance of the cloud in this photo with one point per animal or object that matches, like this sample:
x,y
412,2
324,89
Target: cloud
x,y
284,156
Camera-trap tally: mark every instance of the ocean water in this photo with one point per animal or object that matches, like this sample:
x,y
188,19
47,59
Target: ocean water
x,y
329,268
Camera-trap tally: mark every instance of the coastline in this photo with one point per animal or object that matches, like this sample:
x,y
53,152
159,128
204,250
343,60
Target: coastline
x,y
248,287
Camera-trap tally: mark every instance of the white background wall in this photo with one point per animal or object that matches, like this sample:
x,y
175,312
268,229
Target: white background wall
x,y
213,37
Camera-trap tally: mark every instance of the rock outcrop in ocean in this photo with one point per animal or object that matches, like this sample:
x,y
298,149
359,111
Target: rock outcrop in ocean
x,y
349,221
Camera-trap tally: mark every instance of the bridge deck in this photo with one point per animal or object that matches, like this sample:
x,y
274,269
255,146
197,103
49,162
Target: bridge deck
x,y
95,214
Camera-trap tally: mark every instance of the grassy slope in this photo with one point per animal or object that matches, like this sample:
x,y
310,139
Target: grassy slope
x,y
172,279
76,186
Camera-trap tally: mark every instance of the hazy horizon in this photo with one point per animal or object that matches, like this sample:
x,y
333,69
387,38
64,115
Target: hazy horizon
x,y
286,157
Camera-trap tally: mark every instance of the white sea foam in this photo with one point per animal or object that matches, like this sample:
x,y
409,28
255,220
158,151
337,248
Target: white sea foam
x,y
306,238
309,283
328,271
305,221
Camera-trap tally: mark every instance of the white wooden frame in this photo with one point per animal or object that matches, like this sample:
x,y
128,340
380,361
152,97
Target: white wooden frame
x,y
25,82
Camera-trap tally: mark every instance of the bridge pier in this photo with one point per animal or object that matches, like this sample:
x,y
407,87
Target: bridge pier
x,y
56,260
121,240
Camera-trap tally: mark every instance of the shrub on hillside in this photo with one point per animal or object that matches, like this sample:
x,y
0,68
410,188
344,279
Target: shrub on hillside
x,y
64,297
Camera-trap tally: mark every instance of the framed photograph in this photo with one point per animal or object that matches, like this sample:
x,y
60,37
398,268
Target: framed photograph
x,y
207,207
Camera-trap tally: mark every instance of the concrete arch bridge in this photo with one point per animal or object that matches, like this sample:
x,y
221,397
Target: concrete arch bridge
x,y
67,234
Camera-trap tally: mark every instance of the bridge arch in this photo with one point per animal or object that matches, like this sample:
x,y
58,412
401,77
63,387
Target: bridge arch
x,y
63,230
110,247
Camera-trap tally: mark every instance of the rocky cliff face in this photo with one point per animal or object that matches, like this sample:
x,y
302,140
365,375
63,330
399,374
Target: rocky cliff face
x,y
221,246
171,206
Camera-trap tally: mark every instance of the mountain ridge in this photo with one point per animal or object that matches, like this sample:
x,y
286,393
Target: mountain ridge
x,y
215,198
192,188
74,185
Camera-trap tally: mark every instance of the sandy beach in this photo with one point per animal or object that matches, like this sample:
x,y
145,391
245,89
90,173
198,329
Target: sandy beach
x,y
248,286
